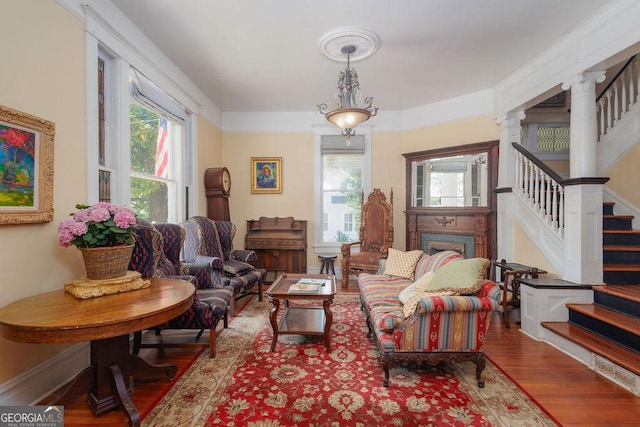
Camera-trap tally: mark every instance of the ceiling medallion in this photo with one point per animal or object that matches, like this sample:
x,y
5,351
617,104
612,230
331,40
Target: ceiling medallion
x,y
366,44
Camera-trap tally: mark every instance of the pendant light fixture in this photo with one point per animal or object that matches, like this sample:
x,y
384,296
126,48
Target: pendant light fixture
x,y
348,115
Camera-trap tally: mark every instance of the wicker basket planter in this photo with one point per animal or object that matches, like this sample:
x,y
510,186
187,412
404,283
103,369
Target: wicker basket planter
x,y
106,262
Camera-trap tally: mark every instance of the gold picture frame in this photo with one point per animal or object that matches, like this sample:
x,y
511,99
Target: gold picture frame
x,y
266,175
26,167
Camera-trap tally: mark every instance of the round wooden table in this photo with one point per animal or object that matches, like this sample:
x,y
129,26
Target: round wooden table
x,y
106,321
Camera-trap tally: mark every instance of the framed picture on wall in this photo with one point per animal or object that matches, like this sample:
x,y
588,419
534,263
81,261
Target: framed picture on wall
x,y
266,175
26,168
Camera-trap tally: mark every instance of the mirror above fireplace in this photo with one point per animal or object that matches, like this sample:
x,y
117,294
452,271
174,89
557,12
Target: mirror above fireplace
x,y
450,203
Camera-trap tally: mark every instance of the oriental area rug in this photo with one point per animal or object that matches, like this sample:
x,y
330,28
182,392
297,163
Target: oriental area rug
x,y
301,384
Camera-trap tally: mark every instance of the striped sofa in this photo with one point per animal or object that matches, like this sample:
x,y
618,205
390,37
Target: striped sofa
x,y
441,327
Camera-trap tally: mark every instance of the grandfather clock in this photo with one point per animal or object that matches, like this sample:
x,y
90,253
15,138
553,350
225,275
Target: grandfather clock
x,y
217,186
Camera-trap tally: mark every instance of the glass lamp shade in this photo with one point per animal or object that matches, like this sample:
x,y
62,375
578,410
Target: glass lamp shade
x,y
348,118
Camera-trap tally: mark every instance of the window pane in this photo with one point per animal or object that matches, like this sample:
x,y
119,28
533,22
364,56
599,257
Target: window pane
x,y
154,140
148,134
342,186
150,199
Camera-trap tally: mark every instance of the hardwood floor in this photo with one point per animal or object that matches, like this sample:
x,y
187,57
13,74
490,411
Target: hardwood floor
x,y
569,391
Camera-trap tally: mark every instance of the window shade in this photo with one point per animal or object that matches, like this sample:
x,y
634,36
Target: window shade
x,y
337,144
149,94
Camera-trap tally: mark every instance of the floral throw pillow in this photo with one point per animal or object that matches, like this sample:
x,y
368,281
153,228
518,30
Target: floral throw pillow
x,y
401,264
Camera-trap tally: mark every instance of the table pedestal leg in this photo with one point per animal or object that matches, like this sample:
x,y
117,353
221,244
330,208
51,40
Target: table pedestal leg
x,y
107,382
81,384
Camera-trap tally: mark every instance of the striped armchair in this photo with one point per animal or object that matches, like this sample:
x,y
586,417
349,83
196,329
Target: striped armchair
x,y
440,327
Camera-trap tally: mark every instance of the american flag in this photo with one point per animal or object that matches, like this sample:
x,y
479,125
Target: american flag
x,y
162,151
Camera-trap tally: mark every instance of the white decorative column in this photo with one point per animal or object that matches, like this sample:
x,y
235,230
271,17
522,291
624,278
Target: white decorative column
x,y
583,194
510,130
584,130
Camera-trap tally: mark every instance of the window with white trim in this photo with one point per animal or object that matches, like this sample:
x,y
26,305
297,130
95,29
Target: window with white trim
x,y
144,144
342,176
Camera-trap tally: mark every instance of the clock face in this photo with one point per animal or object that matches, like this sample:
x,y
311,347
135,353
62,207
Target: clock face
x,y
226,181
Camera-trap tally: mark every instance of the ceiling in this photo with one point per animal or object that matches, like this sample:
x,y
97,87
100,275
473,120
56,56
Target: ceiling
x,y
263,55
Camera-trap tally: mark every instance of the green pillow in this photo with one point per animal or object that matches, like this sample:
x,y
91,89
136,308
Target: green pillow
x,y
464,277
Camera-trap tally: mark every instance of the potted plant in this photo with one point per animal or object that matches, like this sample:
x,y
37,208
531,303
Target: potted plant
x,y
105,234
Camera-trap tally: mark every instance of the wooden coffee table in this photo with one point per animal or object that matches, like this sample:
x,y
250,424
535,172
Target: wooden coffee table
x,y
301,320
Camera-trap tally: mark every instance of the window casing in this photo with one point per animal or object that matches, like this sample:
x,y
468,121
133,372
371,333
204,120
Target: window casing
x,y
118,170
342,173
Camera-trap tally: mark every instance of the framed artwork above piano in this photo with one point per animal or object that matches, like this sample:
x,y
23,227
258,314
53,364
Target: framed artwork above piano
x,y
450,199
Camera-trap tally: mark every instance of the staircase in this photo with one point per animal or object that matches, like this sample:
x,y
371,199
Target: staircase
x,y
609,329
620,248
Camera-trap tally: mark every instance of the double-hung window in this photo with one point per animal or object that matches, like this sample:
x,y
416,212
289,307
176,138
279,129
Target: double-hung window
x,y
157,135
341,178
142,153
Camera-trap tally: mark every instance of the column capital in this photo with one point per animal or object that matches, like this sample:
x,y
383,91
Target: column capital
x,y
511,118
584,81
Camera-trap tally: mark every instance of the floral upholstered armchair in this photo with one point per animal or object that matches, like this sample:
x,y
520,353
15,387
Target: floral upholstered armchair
x,y
209,243
157,254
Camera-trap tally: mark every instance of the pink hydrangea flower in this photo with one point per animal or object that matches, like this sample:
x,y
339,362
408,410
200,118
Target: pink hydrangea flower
x,y
99,214
84,228
124,218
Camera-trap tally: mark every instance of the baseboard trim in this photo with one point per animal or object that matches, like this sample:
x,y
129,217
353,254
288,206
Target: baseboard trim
x,y
40,381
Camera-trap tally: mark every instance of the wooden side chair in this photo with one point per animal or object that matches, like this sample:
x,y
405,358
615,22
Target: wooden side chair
x,y
376,236
508,278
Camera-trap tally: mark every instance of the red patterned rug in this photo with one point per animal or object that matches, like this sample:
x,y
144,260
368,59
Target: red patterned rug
x,y
301,384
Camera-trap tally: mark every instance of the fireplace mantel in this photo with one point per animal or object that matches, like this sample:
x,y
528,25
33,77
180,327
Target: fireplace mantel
x,y
470,230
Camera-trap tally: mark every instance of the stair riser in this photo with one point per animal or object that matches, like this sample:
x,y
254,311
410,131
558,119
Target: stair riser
x,y
620,257
621,239
606,330
621,277
607,209
616,224
628,307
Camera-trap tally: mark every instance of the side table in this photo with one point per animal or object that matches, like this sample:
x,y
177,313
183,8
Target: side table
x,y
107,322
327,264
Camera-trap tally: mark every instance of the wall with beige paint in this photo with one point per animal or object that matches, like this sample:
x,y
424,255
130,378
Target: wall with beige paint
x,y
42,74
296,150
209,149
624,176
526,252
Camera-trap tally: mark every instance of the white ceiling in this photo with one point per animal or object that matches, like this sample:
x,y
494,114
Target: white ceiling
x,y
262,55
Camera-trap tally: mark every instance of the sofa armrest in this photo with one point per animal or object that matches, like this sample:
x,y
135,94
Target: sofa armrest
x,y
429,327
456,303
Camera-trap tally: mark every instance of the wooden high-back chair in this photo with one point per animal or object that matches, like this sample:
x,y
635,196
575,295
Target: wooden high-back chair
x,y
376,236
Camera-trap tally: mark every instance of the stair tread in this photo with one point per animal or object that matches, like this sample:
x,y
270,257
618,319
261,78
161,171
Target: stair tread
x,y
628,292
619,355
621,231
621,267
620,248
611,317
618,216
